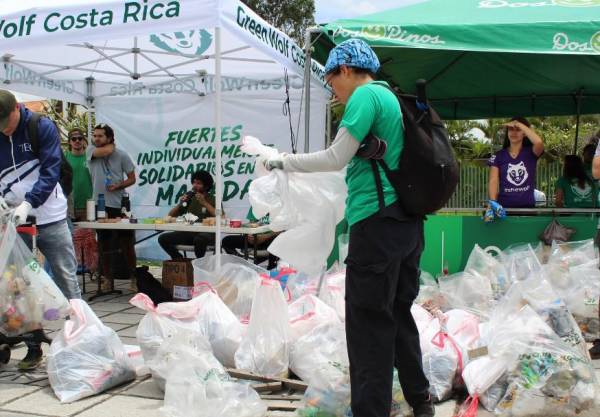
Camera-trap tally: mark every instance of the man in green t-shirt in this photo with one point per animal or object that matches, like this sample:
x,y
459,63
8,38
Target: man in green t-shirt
x,y
382,274
199,202
82,181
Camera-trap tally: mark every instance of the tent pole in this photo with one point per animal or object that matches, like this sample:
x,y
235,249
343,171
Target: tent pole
x,y
577,123
89,98
218,173
307,51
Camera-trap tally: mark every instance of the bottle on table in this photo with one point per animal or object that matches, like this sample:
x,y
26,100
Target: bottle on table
x,y
101,207
125,205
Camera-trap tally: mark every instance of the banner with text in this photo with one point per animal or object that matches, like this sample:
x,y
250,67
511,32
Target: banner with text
x,y
170,138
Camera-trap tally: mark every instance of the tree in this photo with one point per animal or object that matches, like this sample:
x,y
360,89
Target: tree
x,y
293,17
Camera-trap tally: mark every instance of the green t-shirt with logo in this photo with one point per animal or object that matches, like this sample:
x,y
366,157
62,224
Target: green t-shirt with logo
x,y
574,195
82,181
371,108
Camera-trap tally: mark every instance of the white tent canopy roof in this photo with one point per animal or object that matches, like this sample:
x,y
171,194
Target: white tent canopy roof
x,y
76,50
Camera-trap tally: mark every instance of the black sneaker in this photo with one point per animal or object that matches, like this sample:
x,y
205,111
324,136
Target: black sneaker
x,y
425,409
31,360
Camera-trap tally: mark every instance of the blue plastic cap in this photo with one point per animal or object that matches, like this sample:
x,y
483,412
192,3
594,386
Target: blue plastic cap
x,y
353,53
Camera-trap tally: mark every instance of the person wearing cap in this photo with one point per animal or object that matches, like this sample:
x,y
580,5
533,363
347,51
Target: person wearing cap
x,y
29,184
382,275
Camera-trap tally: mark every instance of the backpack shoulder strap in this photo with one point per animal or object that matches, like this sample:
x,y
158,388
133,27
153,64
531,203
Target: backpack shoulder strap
x,y
32,132
378,184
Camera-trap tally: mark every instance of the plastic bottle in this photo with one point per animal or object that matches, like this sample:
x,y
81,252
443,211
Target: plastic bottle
x,y
101,207
125,205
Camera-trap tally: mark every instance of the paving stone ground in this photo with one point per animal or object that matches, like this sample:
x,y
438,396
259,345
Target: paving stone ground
x,y
30,395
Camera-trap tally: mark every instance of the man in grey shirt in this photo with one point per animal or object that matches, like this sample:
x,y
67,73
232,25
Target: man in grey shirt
x,y
112,171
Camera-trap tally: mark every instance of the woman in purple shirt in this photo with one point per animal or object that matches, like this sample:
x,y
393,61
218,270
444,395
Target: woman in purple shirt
x,y
513,168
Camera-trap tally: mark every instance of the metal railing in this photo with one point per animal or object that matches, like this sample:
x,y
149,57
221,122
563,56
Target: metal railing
x,y
472,189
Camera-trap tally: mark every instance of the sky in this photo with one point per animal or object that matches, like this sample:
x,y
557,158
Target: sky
x,y
328,10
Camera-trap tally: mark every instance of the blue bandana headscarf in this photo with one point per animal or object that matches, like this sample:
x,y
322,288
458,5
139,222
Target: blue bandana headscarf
x,y
353,53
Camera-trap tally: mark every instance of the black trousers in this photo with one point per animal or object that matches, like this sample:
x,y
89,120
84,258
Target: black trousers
x,y
169,240
116,246
382,281
234,244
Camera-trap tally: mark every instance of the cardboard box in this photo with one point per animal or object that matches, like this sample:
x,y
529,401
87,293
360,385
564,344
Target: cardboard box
x,y
178,278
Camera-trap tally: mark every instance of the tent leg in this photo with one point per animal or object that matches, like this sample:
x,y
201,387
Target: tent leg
x,y
89,87
307,46
218,173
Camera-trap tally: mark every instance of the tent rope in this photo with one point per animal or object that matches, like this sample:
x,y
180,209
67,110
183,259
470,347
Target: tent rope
x,y
287,111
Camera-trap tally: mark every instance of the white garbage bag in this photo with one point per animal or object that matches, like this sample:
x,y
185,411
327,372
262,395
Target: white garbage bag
x,y
429,293
545,375
190,347
582,298
321,356
86,357
479,376
482,262
469,291
520,260
308,312
333,291
236,281
29,298
538,293
265,347
162,322
220,326
306,206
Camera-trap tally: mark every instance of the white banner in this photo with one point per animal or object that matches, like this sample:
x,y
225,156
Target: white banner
x,y
57,21
170,138
240,19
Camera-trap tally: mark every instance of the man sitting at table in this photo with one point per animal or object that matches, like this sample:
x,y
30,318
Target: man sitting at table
x,y
199,202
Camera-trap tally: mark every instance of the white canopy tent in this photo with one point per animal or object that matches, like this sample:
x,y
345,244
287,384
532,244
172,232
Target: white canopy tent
x,y
83,51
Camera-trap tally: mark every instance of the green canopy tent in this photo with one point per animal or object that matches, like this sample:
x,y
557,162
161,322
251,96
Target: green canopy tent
x,y
490,58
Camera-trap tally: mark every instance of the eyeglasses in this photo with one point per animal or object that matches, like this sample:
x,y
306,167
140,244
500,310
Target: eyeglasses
x,y
77,138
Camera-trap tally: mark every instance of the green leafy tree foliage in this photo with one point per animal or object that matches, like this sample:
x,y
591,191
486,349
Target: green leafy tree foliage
x,y
291,16
73,117
558,133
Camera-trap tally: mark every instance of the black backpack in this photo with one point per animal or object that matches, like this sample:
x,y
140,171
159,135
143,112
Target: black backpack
x,y
66,171
427,172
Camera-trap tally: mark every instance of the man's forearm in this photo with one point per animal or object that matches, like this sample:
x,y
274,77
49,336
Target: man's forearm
x,y
103,151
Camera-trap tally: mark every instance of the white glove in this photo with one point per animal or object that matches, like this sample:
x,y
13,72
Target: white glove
x,y
3,205
273,163
21,212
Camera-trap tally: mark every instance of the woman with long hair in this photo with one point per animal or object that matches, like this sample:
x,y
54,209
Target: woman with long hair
x,y
574,188
513,168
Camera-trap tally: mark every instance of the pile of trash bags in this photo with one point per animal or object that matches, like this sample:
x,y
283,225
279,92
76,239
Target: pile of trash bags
x,y
511,329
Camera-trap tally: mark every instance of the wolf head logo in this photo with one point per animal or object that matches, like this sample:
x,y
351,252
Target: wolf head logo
x,y
517,174
190,42
584,193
